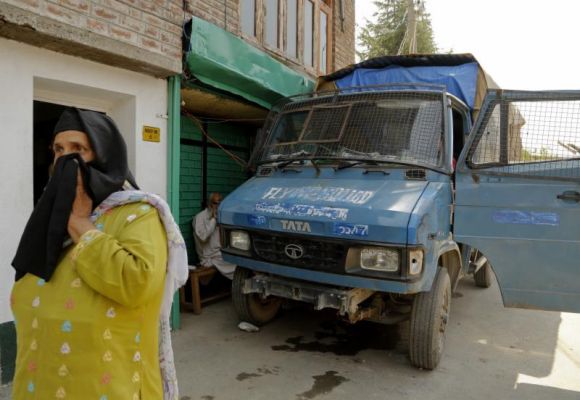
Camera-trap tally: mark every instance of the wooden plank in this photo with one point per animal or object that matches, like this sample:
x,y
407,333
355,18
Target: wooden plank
x,y
300,28
260,21
282,28
316,35
329,36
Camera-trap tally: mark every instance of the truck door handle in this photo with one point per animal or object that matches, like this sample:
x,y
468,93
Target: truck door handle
x,y
569,195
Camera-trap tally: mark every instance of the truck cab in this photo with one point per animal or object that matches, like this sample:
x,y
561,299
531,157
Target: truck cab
x,y
375,195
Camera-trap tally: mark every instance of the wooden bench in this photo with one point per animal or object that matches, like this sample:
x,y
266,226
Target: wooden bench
x,y
195,275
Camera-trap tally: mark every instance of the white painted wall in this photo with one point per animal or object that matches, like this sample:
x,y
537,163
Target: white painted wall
x,y
28,73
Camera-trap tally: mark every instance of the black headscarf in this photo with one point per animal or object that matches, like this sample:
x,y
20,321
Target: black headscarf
x,y
42,241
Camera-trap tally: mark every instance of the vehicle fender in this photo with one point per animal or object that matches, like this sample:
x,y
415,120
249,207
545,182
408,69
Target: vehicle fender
x,y
449,256
430,228
444,253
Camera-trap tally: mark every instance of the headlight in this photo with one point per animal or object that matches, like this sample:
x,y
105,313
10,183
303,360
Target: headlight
x,y
379,259
240,240
415,262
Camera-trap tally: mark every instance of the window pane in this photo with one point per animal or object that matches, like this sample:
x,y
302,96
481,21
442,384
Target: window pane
x,y
323,41
247,17
271,23
291,29
308,32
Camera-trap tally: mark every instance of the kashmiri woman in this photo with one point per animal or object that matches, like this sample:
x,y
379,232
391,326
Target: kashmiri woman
x,y
96,269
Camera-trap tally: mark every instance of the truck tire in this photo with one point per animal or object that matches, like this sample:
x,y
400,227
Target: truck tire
x,y
429,317
483,276
251,307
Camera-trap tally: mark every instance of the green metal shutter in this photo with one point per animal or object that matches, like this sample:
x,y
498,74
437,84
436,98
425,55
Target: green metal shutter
x,y
223,174
190,189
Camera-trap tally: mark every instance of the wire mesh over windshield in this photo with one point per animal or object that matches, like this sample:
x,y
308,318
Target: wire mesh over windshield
x,y
401,125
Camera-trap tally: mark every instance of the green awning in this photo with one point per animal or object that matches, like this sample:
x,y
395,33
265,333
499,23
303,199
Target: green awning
x,y
226,62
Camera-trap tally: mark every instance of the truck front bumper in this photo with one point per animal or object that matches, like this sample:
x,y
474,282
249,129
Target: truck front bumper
x,y
346,301
342,281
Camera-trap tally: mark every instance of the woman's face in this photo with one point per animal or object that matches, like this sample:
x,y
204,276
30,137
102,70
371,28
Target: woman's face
x,y
67,142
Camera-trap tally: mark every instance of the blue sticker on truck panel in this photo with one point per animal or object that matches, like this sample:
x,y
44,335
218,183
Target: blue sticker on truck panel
x,y
526,217
344,229
257,220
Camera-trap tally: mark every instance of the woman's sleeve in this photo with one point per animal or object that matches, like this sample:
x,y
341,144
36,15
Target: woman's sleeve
x,y
128,268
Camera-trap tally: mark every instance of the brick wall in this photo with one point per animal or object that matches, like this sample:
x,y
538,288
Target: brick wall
x,y
344,34
225,14
142,35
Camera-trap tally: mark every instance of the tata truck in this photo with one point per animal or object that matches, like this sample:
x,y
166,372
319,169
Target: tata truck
x,y
375,194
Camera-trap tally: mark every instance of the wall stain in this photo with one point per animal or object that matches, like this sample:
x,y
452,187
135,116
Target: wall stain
x,y
323,384
207,397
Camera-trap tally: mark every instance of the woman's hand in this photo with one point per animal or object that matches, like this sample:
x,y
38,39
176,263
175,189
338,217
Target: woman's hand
x,y
79,222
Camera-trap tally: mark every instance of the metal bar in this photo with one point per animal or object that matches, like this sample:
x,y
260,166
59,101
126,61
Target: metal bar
x,y
504,131
173,166
204,145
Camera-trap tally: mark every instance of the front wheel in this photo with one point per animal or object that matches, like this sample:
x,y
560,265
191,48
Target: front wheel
x,y
429,317
252,307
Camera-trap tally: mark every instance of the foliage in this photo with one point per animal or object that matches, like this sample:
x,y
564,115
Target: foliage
x,y
384,36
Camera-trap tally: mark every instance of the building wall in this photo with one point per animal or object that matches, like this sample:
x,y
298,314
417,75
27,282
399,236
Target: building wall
x,y
344,34
143,36
225,14
130,98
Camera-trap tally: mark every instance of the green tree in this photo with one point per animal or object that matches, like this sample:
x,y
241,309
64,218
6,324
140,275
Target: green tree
x,y
391,28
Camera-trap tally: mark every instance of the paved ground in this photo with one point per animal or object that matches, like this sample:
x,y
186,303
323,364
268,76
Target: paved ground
x,y
492,353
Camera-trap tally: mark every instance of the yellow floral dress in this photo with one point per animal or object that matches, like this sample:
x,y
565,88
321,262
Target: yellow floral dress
x,y
91,332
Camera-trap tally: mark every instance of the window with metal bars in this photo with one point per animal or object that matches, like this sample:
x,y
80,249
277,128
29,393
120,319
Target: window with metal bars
x,y
534,138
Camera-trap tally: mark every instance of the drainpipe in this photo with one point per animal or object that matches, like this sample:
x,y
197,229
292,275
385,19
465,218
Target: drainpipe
x,y
173,165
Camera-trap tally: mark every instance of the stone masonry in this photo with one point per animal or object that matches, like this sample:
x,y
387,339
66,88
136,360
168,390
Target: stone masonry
x,y
139,35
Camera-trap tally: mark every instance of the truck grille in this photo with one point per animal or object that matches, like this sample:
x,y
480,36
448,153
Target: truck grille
x,y
317,254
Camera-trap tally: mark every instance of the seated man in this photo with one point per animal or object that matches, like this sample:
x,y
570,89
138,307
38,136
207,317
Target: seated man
x,y
207,238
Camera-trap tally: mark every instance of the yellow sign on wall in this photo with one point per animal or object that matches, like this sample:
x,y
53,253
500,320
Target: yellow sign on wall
x,y
151,134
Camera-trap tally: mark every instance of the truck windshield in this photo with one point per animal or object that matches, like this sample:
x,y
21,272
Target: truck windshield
x,y
391,126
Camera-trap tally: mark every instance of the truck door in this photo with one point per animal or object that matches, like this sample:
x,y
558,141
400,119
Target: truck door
x,y
518,196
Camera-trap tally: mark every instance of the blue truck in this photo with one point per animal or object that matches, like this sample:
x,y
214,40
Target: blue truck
x,y
375,194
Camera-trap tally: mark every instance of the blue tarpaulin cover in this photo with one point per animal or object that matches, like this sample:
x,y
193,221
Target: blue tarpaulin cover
x,y
460,80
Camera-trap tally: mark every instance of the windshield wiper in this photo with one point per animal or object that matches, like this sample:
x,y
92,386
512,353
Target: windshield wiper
x,y
286,163
354,163
350,164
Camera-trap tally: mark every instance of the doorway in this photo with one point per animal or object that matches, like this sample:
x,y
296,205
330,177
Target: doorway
x,y
45,117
